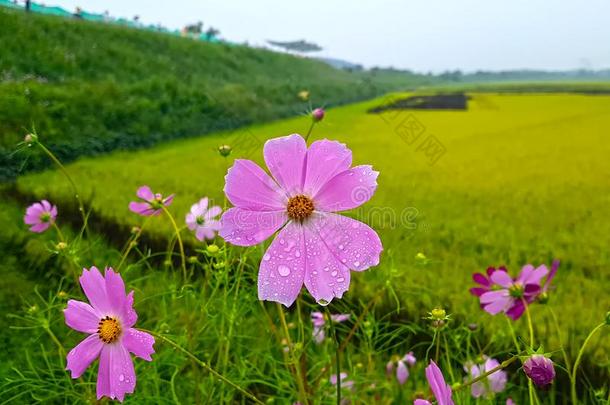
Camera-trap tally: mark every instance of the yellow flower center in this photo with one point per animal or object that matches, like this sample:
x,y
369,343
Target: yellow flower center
x,y
109,329
299,207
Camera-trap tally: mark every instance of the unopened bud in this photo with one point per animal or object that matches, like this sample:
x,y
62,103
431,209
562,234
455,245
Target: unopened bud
x,y
61,246
193,260
135,230
62,294
539,369
317,115
224,150
212,249
438,313
30,139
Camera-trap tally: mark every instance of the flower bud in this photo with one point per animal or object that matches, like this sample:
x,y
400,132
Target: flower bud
x,y
135,230
317,115
212,249
224,150
192,259
539,369
438,314
61,246
473,326
30,139
62,294
543,298
303,95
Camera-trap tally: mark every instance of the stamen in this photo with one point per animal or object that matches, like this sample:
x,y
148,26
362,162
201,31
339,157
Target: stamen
x,y
299,207
109,329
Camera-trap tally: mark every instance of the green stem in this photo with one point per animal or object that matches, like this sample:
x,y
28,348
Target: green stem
x,y
81,207
313,124
206,366
577,362
60,235
180,245
513,335
563,351
501,366
529,323
131,244
333,331
296,366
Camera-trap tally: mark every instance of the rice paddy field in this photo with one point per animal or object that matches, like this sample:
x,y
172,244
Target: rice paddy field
x,y
515,177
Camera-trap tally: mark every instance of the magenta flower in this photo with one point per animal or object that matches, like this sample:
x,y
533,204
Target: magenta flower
x,y
489,386
150,204
318,114
40,215
318,319
440,389
539,369
109,322
203,220
513,295
316,247
549,278
402,371
344,382
484,281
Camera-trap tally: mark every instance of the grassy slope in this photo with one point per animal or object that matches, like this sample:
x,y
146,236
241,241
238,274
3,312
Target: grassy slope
x,y
90,88
524,179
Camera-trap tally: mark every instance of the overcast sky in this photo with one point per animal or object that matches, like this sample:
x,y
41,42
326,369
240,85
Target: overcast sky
x,y
425,35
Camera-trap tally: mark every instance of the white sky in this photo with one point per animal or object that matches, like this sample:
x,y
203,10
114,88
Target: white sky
x,y
424,35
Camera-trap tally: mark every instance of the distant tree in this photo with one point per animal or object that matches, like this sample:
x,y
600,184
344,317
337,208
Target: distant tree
x,y
193,29
28,5
297,46
211,33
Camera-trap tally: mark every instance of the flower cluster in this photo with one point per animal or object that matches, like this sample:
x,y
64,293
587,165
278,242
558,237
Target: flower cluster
x,y
318,319
499,292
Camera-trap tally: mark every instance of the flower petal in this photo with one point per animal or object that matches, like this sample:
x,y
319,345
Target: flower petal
x,y
41,227
145,193
354,243
200,207
402,373
82,317
325,159
212,212
83,355
139,343
529,275
244,227
285,158
115,291
347,190
501,278
248,186
282,270
130,316
495,302
325,276
118,375
94,286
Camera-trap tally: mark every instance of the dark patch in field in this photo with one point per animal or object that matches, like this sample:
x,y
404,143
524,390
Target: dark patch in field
x,y
453,101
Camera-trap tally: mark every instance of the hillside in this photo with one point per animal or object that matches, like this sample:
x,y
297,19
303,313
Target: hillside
x,y
88,88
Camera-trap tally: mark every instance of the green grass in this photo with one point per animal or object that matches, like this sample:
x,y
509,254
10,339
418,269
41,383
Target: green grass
x,y
91,88
523,180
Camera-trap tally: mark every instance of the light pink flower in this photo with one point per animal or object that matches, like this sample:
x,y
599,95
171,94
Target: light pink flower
x,y
440,389
513,295
40,215
349,384
489,386
319,320
315,246
402,371
151,203
203,220
109,322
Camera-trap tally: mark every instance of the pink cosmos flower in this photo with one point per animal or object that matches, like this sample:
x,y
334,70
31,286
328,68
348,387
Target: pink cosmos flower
x,y
440,389
402,371
315,246
151,204
319,320
40,215
203,220
513,295
484,281
109,322
344,382
539,369
489,386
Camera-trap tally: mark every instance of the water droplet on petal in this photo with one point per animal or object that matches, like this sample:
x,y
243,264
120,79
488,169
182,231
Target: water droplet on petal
x,y
356,264
334,273
121,378
340,280
323,302
266,257
283,270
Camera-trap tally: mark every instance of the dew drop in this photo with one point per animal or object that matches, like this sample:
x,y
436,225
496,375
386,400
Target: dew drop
x,y
356,264
297,253
266,257
340,247
283,270
340,280
121,378
334,273
323,303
